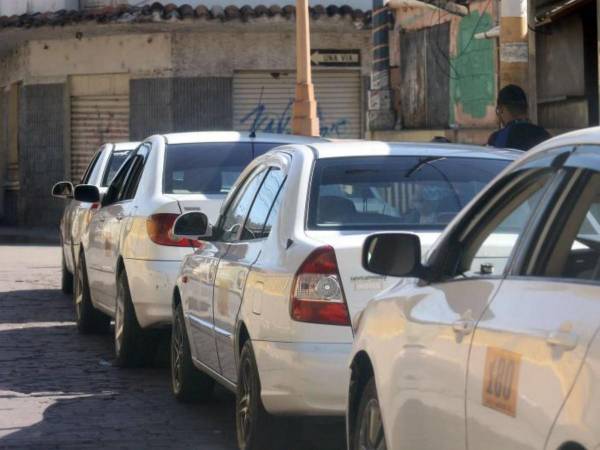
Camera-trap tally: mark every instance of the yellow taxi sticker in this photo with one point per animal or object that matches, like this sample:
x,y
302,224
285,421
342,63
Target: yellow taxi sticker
x,y
501,380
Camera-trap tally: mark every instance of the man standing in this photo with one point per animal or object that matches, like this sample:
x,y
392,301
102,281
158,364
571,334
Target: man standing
x,y
517,131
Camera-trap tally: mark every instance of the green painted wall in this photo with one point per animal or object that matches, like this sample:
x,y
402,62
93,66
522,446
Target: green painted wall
x,y
473,79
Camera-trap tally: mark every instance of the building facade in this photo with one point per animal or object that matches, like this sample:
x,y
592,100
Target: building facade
x,y
449,59
72,79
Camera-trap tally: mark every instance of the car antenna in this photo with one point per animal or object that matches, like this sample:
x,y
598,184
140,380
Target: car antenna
x,y
253,131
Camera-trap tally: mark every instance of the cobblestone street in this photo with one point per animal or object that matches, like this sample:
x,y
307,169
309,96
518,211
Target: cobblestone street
x,y
59,390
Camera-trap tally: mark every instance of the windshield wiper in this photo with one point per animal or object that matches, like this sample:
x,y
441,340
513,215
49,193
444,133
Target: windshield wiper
x,y
422,162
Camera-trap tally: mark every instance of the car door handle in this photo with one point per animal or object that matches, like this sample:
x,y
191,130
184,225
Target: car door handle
x,y
463,327
101,219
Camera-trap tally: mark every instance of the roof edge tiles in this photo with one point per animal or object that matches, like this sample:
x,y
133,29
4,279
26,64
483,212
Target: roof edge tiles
x,y
159,13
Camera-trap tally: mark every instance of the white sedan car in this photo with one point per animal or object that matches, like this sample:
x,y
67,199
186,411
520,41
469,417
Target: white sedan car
x,y
128,259
493,341
265,305
103,167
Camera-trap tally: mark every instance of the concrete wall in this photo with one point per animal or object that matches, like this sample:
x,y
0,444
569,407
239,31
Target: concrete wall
x,y
14,65
145,55
41,152
221,53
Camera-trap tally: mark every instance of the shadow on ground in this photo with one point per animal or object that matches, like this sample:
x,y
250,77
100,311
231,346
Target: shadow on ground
x,y
59,389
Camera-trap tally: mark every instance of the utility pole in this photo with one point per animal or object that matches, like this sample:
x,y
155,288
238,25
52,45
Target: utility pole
x,y
304,121
514,43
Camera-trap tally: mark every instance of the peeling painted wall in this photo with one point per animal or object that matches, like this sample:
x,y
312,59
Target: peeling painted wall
x,y
472,63
222,53
13,65
143,54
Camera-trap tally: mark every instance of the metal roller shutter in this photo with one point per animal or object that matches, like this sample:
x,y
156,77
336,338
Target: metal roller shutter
x,y
338,94
99,114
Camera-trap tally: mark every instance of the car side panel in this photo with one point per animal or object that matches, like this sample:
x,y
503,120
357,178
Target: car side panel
x,y
579,416
517,335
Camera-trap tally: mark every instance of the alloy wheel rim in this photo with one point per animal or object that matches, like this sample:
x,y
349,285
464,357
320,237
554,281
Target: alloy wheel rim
x,y
176,354
119,323
371,435
244,402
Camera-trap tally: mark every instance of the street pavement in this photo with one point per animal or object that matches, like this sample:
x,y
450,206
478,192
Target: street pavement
x,y
60,390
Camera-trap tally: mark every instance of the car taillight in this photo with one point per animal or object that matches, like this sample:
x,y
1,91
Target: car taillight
x,y
90,213
159,229
317,295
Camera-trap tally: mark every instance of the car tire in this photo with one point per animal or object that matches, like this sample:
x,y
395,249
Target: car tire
x,y
188,384
66,283
369,435
256,428
133,346
89,319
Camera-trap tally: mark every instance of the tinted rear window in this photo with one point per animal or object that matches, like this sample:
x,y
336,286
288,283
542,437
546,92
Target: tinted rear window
x,y
206,168
395,192
117,158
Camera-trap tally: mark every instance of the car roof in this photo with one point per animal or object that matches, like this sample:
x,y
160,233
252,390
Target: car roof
x,y
118,146
375,148
235,136
584,136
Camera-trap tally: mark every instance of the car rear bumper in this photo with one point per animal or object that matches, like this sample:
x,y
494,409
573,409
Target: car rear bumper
x,y
303,378
151,284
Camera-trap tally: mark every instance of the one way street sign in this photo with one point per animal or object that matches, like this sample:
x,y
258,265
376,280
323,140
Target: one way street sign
x,y
335,58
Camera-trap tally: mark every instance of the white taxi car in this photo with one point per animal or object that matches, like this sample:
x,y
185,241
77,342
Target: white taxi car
x,y
265,305
128,258
493,341
103,167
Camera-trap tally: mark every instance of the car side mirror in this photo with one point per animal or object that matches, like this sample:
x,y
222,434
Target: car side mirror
x,y
63,189
393,254
87,193
192,225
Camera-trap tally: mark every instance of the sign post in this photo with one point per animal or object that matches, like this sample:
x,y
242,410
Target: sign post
x,y
304,120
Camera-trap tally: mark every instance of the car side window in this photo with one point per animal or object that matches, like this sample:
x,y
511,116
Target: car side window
x,y
489,245
129,187
572,245
118,183
257,224
234,218
91,168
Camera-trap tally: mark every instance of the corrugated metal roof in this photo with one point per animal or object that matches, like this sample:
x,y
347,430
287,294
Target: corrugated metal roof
x,y
160,13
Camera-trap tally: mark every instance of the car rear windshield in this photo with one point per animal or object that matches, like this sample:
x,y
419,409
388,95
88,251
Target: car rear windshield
x,y
395,192
117,158
206,168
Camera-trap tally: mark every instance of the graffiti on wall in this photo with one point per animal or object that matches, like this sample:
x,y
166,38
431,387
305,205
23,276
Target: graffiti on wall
x,y
266,120
472,85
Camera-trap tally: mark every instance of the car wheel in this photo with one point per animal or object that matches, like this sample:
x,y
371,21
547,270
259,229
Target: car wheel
x,y
187,382
67,278
256,428
369,433
133,348
89,319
